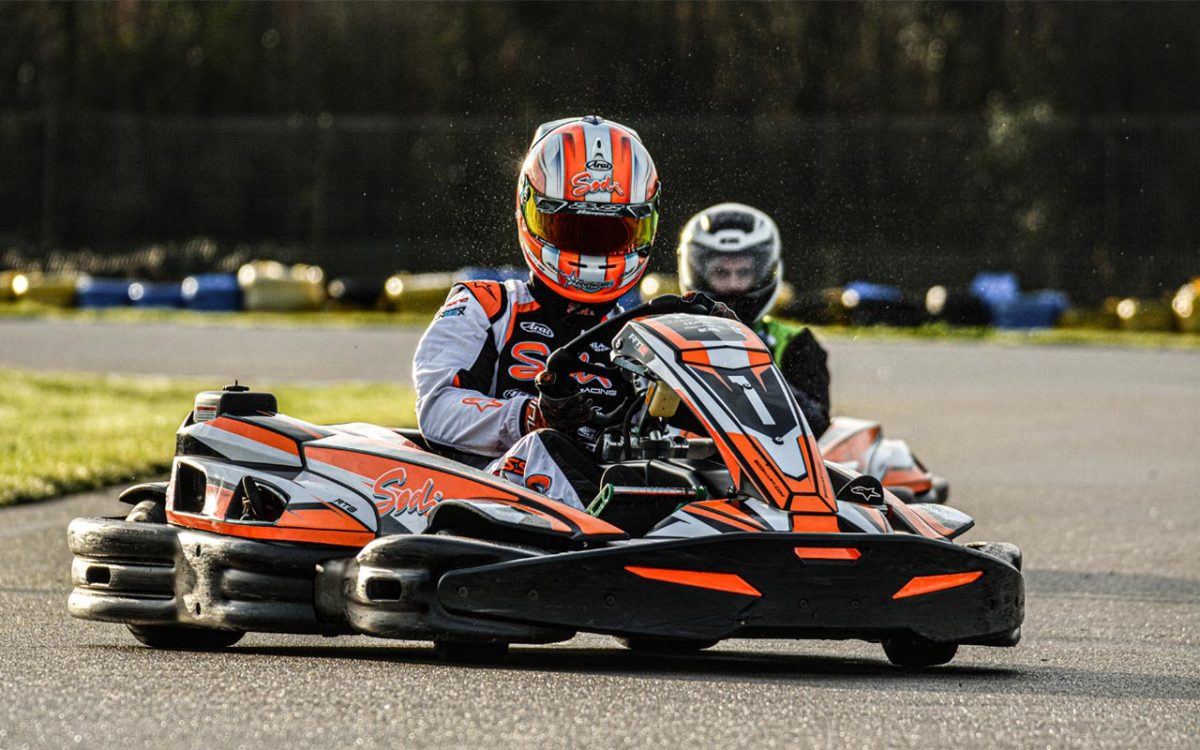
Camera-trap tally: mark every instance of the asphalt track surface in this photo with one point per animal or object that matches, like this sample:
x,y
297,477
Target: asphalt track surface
x,y
1087,458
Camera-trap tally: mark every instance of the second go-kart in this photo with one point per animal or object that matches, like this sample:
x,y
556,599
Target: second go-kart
x,y
272,524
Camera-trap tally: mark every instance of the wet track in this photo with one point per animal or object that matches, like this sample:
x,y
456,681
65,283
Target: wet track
x,y
1087,458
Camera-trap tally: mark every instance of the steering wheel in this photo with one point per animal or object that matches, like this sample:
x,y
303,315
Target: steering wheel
x,y
563,361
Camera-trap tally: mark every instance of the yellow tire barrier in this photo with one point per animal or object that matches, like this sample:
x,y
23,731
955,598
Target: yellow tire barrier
x,y
1104,318
54,290
6,286
270,286
1186,306
417,292
1145,315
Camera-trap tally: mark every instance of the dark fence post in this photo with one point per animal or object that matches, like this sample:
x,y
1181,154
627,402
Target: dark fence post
x,y
324,128
49,177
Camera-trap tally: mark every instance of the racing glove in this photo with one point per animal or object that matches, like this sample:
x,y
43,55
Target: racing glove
x,y
719,309
560,405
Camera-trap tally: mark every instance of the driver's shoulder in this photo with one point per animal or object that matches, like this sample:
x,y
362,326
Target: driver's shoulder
x,y
496,298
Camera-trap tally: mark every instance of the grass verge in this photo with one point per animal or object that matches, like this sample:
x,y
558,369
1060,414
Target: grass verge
x,y
66,432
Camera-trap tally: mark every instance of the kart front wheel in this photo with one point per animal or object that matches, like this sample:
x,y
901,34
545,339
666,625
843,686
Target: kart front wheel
x,y
915,651
170,637
667,645
184,639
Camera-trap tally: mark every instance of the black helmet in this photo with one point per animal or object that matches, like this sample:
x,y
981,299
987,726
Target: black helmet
x,y
730,252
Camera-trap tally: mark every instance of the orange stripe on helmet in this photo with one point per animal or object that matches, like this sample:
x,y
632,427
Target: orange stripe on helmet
x,y
574,152
615,270
622,153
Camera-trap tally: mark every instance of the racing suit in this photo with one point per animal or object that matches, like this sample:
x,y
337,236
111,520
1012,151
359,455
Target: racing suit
x,y
474,372
803,363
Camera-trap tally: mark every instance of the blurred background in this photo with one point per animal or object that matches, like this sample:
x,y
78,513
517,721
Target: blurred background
x,y
906,143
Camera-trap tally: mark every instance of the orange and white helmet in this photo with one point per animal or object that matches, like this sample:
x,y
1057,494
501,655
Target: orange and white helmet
x,y
587,208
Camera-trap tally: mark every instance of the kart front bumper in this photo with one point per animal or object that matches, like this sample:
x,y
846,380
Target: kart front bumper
x,y
743,585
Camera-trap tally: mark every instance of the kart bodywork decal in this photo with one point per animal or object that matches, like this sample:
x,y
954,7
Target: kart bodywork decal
x,y
406,484
242,441
828,553
919,585
317,511
722,371
729,582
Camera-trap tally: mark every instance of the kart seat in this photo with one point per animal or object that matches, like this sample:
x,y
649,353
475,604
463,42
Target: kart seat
x,y
470,459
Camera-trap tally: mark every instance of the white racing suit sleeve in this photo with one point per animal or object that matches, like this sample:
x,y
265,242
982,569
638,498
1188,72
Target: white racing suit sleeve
x,y
454,373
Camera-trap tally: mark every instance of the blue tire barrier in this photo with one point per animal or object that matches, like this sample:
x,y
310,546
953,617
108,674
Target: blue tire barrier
x,y
994,288
212,292
146,294
1032,310
92,292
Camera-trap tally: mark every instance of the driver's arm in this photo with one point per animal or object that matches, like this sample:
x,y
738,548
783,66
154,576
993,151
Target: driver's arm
x,y
805,367
453,370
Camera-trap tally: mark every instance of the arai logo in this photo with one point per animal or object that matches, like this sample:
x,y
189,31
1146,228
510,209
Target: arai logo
x,y
599,165
540,329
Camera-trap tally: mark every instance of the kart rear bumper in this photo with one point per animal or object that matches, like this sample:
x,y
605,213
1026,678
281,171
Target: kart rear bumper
x,y
752,585
157,574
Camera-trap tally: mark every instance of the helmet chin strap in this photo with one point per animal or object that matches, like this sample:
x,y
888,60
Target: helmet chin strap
x,y
551,300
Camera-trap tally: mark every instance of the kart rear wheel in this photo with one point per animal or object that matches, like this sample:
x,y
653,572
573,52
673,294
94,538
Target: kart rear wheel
x,y
915,651
184,639
667,645
470,652
148,511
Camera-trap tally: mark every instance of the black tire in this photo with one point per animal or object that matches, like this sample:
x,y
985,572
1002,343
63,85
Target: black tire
x,y
148,511
470,652
184,639
915,651
667,645
170,637
1009,553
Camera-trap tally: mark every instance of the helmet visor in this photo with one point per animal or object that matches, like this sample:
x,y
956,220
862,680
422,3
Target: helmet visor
x,y
590,228
728,272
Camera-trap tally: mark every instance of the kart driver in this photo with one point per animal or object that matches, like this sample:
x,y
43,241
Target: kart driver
x,y
731,252
586,217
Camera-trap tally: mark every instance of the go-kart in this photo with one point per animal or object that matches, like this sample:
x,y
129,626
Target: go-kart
x,y
272,524
859,444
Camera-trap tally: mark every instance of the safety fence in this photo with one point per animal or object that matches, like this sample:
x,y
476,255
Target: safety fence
x,y
1092,206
